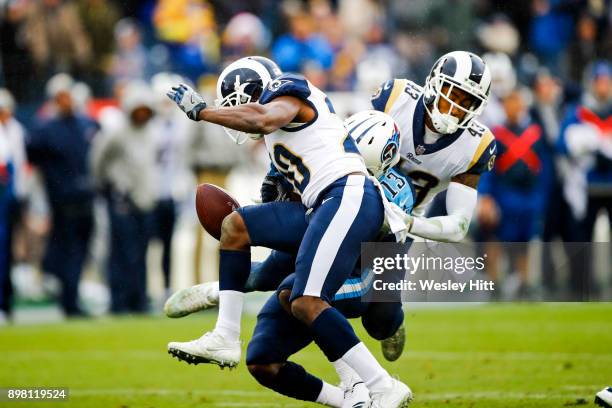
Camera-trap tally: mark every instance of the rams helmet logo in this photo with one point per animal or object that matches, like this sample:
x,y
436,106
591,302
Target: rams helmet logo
x,y
491,163
277,84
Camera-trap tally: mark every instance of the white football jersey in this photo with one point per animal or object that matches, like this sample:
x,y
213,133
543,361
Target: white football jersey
x,y
432,166
310,155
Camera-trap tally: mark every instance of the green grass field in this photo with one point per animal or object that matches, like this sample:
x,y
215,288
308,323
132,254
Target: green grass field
x,y
548,355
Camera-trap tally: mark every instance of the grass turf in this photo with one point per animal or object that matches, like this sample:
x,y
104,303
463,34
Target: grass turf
x,y
547,355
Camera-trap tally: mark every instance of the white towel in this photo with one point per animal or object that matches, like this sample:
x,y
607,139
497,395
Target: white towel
x,y
395,217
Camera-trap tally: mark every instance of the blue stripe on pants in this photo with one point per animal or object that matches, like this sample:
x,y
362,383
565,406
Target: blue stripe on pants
x,y
351,212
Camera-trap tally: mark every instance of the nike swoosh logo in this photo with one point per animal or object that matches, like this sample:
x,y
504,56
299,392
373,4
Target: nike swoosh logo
x,y
192,101
326,200
492,150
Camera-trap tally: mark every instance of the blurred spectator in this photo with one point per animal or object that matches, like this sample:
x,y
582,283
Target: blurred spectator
x,y
6,200
550,33
302,44
546,112
452,25
57,38
124,166
12,167
81,95
584,49
59,147
130,60
512,197
503,81
586,137
13,199
174,137
15,136
244,35
499,35
15,57
189,28
99,18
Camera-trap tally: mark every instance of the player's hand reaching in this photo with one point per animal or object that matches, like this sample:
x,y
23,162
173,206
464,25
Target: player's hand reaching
x,y
272,189
188,100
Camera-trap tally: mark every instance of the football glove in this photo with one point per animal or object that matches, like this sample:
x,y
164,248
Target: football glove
x,y
188,100
273,189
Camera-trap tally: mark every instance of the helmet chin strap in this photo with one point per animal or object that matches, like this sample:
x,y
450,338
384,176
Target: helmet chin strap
x,y
444,122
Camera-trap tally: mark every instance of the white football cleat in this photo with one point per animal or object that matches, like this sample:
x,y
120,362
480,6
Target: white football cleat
x,y
398,395
192,299
604,398
211,348
356,394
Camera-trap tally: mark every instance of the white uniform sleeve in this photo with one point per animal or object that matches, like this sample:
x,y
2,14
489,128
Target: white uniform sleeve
x,y
460,205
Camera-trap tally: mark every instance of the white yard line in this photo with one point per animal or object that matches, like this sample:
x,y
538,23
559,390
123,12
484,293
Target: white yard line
x,y
487,395
417,355
503,355
494,395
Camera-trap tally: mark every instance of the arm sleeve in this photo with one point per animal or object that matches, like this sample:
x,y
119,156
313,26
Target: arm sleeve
x,y
398,189
460,205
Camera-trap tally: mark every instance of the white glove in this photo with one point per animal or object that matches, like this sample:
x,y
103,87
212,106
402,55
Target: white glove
x,y
188,100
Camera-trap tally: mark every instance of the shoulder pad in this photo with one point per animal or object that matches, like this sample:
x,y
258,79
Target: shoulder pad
x,y
286,85
484,156
386,95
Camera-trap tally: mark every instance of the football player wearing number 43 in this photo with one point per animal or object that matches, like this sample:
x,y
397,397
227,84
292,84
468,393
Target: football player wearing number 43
x,y
310,147
443,146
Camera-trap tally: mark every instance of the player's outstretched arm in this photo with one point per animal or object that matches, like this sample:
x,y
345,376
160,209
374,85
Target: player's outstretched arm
x,y
460,204
254,117
250,117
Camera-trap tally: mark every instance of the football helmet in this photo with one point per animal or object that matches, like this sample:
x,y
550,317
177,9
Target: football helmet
x,y
462,70
241,82
378,139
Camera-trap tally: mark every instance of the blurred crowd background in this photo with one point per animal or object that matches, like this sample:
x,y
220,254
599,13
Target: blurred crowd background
x,y
97,168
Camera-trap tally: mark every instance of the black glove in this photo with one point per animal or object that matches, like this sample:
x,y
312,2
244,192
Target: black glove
x,y
273,188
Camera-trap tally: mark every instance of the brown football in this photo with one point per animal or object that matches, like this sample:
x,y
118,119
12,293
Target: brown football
x,y
213,204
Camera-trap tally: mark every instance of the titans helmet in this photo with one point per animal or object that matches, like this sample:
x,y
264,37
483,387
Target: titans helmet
x,y
377,138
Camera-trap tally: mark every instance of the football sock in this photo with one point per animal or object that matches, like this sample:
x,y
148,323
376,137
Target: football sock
x,y
234,268
230,311
346,374
295,382
333,334
330,395
268,274
336,338
367,367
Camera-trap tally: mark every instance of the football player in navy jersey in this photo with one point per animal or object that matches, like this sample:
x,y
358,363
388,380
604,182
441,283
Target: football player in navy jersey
x,y
309,146
443,146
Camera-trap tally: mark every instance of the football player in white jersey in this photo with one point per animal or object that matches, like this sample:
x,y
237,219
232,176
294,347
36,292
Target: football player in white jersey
x,y
443,146
308,144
